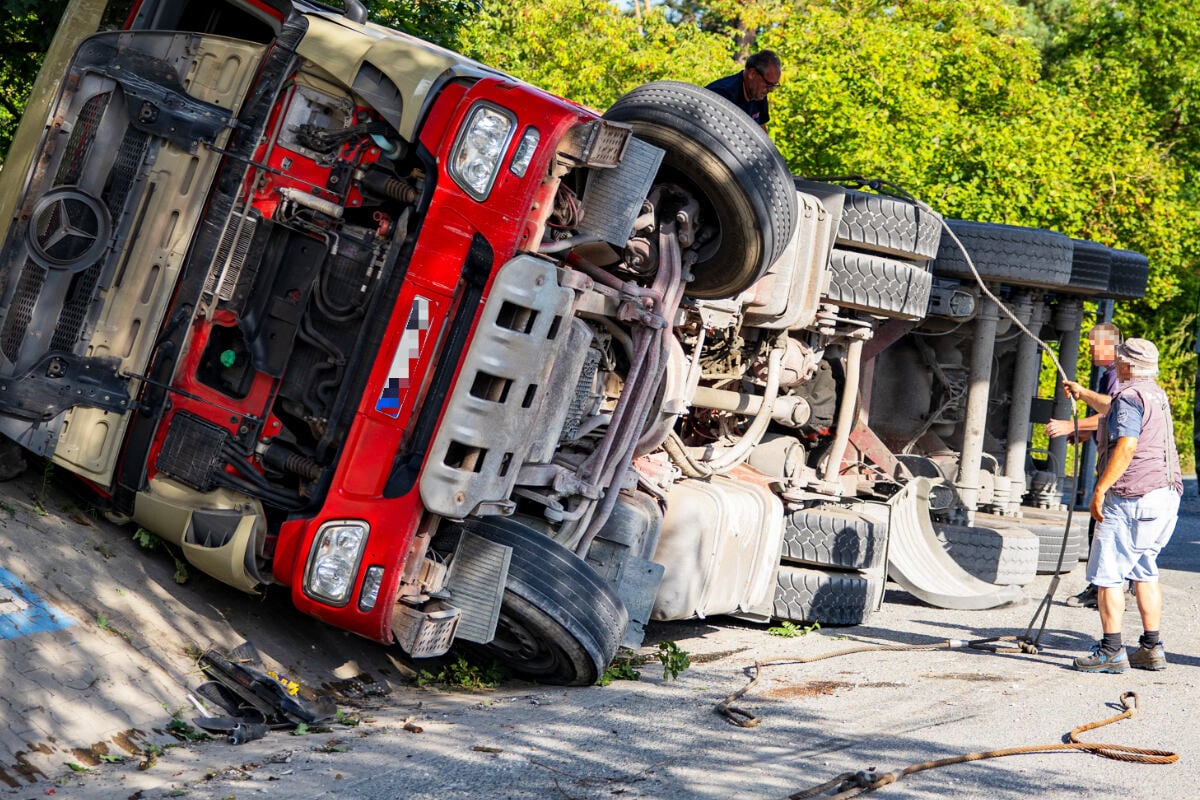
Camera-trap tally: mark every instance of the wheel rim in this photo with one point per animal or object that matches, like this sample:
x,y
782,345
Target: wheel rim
x,y
519,647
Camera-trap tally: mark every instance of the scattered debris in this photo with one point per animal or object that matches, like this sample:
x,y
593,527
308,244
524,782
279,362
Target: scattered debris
x,y
255,699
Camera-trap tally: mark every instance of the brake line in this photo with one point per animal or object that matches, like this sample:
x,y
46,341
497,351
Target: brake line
x,y
852,784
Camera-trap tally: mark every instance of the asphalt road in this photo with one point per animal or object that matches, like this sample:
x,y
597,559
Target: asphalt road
x,y
662,738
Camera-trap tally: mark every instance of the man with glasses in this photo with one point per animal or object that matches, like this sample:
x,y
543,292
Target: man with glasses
x,y
1103,340
749,88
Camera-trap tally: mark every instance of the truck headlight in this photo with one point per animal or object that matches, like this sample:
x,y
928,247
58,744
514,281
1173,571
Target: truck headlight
x,y
333,560
480,146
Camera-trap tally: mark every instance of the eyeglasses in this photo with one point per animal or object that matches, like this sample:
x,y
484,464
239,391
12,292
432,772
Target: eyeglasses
x,y
769,84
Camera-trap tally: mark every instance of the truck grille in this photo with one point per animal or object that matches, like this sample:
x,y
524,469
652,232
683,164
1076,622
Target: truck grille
x,y
124,172
33,276
191,453
82,138
21,311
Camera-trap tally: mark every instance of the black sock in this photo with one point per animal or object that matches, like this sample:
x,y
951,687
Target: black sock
x,y
1148,639
1111,643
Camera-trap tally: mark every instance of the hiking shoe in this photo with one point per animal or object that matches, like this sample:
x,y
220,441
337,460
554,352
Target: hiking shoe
x,y
1154,658
1099,661
1085,599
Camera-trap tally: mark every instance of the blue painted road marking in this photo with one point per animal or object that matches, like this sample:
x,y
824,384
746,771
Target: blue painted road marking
x,y
22,612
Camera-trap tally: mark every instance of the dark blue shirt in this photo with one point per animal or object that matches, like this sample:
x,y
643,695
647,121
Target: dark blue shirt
x,y
730,87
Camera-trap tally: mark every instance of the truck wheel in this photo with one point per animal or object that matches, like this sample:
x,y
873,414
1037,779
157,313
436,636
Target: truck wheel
x,y
878,285
714,149
1006,254
831,536
1050,544
559,621
1127,280
1005,556
889,225
827,597
1091,266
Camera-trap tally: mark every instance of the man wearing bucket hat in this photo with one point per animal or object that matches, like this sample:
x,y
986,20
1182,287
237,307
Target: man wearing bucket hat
x,y
1135,505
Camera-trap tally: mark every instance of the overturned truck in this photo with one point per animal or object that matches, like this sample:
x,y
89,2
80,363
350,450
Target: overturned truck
x,y
457,361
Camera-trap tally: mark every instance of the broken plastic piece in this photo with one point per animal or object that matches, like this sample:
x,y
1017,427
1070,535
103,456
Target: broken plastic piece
x,y
257,690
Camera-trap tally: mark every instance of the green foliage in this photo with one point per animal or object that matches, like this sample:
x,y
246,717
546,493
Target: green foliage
x,y
674,660
789,630
621,669
146,540
1028,116
333,746
183,731
26,28
438,22
181,575
349,720
591,51
462,674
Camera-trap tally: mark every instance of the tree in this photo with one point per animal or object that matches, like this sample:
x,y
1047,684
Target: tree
x,y
26,28
955,102
1151,50
438,22
589,50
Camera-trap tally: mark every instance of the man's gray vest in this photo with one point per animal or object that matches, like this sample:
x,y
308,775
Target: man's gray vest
x,y
1155,463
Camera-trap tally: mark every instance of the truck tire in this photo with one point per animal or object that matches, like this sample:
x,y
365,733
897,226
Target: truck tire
x,y
1091,266
889,225
1004,556
1049,546
714,149
825,597
832,536
1128,276
559,621
878,285
1006,254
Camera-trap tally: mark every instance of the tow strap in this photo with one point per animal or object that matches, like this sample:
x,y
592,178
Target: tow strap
x,y
851,784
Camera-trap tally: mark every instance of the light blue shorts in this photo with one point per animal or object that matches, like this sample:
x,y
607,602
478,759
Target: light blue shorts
x,y
1126,544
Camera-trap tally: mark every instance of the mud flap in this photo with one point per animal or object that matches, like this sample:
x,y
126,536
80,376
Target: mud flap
x,y
918,561
476,580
